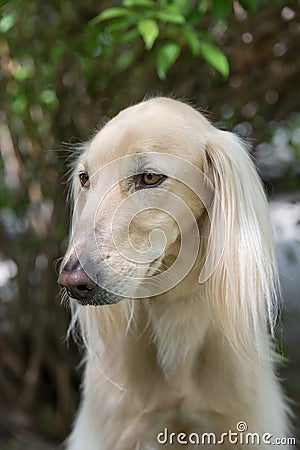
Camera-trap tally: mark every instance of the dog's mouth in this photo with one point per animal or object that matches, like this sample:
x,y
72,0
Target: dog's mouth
x,y
95,297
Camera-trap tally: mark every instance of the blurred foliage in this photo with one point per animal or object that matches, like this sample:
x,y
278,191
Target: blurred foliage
x,y
64,67
172,25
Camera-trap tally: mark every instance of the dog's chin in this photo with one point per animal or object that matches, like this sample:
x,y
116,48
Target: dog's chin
x,y
97,297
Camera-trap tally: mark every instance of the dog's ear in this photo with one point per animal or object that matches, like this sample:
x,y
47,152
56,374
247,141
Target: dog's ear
x,y
242,289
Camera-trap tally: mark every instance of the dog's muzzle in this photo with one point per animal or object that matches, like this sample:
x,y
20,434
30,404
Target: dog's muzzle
x,y
81,287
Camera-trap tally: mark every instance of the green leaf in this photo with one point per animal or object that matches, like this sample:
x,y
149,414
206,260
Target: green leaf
x,y
194,16
249,5
7,21
221,8
149,31
203,6
191,38
215,57
118,25
179,4
129,36
111,13
170,16
166,56
133,3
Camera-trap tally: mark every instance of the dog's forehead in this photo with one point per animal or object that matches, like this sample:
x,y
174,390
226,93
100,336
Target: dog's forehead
x,y
157,125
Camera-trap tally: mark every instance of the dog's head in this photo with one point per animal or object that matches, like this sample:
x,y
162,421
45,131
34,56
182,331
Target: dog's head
x,y
160,197
138,197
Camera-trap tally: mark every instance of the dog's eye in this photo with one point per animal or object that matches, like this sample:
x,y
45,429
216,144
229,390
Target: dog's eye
x,y
149,179
84,179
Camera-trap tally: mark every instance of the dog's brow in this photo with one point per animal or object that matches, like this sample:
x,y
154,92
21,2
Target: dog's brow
x,y
140,163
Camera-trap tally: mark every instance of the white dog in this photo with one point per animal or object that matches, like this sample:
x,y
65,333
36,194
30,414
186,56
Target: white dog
x,y
171,233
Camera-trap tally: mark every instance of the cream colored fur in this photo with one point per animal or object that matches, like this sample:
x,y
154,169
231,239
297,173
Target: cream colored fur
x,y
197,358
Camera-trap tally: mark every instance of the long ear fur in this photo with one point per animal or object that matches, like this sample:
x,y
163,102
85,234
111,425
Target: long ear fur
x,y
243,289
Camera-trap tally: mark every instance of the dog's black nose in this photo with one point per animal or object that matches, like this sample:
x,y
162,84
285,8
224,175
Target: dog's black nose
x,y
78,284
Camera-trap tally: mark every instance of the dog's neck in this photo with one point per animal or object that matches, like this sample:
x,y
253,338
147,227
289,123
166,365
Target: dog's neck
x,y
158,337
178,329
